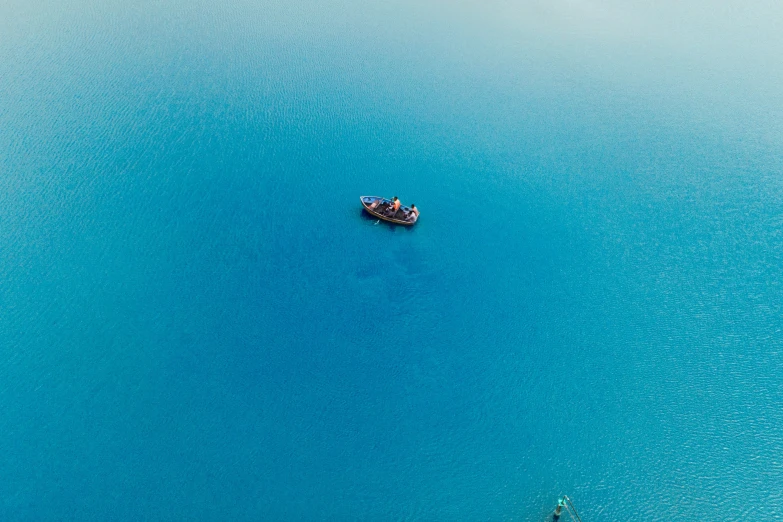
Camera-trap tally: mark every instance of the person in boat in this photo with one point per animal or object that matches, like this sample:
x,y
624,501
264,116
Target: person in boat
x,y
394,206
413,215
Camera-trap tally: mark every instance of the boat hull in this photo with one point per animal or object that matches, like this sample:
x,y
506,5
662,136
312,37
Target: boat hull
x,y
377,211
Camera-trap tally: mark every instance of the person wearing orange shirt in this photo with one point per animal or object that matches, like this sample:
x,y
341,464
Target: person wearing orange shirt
x,y
395,206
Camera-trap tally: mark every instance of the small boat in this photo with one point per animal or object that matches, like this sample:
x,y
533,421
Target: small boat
x,y
382,209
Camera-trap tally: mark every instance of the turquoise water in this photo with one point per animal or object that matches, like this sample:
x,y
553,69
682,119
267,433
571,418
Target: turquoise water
x,y
197,322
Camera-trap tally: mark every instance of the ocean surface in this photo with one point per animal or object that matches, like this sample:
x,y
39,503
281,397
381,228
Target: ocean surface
x,y
198,323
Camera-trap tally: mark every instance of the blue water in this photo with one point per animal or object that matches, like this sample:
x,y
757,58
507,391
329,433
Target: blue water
x,y
198,323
